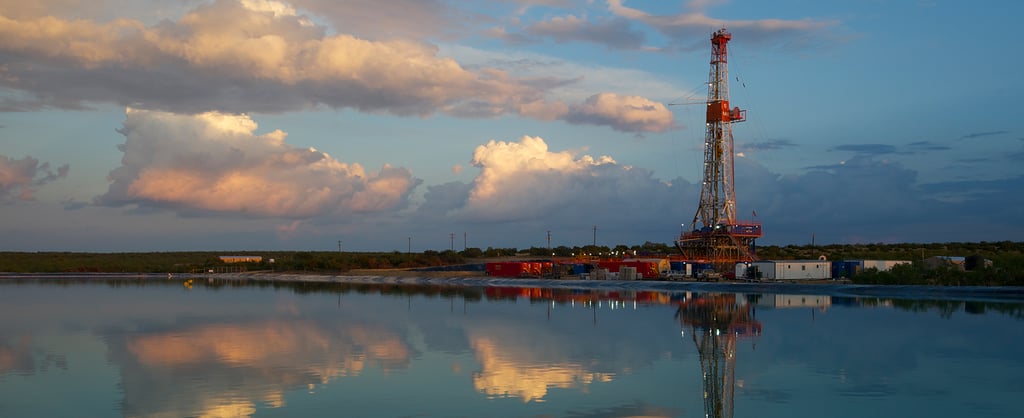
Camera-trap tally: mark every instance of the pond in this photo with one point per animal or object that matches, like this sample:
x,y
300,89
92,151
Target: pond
x,y
148,347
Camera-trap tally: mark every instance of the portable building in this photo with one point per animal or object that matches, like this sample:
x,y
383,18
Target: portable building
x,y
792,269
743,271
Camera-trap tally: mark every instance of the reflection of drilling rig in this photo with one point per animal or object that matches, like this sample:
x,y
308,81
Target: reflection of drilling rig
x,y
717,237
716,322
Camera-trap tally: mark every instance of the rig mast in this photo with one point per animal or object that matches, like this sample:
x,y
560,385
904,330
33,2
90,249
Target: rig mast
x,y
717,237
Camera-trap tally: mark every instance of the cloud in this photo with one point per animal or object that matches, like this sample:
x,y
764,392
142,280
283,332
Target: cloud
x,y
514,176
622,113
375,19
20,176
869,200
873,149
524,184
568,81
983,134
614,33
215,163
525,188
683,28
775,144
255,56
929,146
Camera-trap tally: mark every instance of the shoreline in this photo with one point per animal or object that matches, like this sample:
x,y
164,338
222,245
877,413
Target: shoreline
x,y
1010,294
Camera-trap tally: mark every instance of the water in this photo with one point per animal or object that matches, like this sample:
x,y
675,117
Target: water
x,y
165,348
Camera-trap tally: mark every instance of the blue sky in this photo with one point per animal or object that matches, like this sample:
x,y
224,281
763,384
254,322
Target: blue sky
x,y
254,124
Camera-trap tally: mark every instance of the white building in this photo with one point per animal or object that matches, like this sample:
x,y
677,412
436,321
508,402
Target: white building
x,y
791,270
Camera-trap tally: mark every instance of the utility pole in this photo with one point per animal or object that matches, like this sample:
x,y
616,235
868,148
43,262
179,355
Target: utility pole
x,y
452,236
465,238
410,246
549,240
595,235
339,246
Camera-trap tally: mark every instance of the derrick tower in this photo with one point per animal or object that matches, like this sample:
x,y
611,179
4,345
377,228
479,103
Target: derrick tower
x,y
717,237
716,323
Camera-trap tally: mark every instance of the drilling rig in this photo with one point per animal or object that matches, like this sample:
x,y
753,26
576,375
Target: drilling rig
x,y
717,237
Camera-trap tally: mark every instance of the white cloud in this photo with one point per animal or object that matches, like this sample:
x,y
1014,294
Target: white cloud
x,y
215,162
523,182
24,174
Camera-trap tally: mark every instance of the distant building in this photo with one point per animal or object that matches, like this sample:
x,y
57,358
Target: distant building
x,y
850,268
945,261
789,269
241,258
973,262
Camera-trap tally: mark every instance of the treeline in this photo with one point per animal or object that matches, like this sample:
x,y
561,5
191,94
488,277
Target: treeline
x,y
196,262
1007,260
1005,251
308,261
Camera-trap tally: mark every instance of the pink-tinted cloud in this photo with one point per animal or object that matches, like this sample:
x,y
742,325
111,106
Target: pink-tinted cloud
x,y
240,56
214,162
21,176
623,113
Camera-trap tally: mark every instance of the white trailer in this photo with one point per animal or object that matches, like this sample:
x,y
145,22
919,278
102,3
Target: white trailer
x,y
792,269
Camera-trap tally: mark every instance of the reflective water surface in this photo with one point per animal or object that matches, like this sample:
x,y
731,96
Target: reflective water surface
x,y
168,348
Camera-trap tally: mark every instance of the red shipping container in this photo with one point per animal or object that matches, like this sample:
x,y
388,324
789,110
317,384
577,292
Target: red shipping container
x,y
508,269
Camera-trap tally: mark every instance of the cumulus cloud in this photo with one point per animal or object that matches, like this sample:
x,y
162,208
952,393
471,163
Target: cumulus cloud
x,y
216,163
524,188
524,182
254,56
870,200
622,113
20,177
